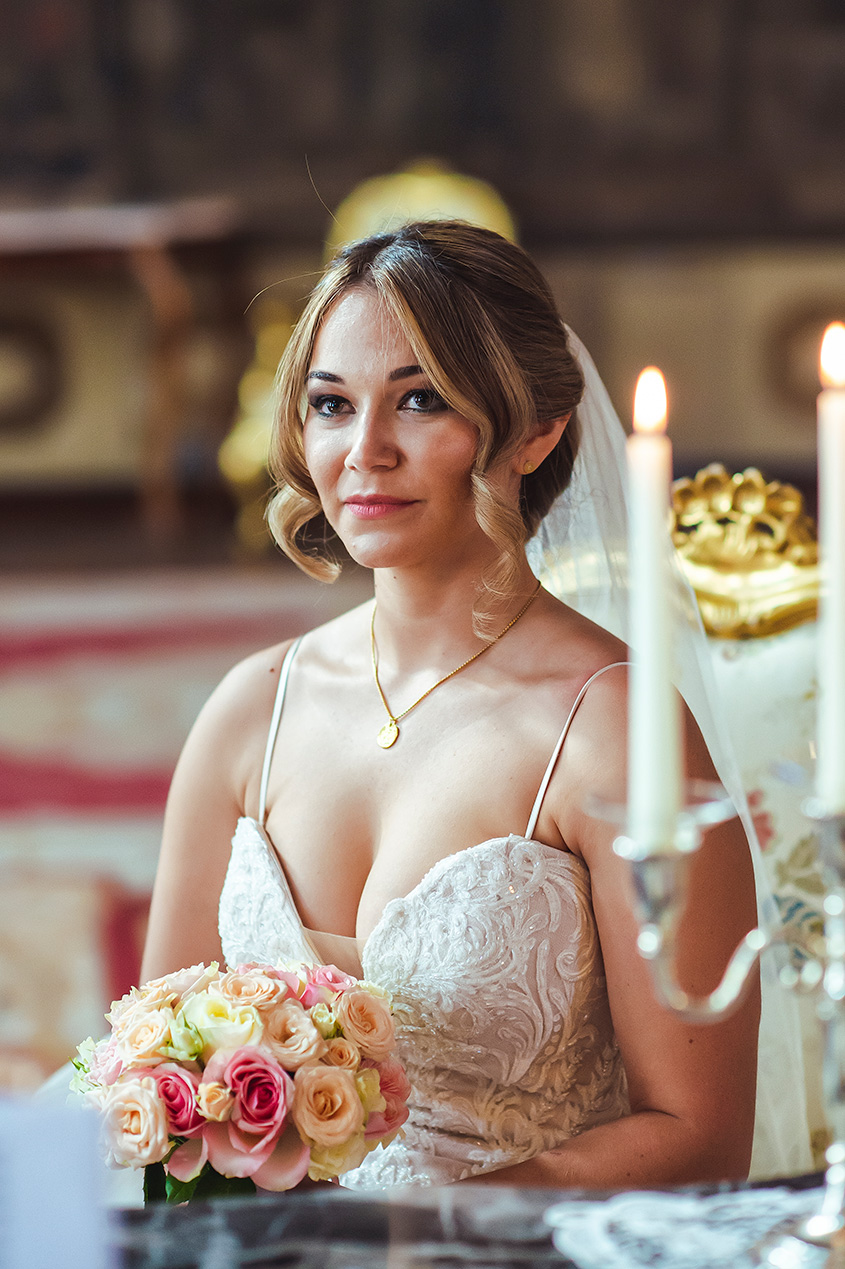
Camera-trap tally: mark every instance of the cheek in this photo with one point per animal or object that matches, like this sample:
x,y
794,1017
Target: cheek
x,y
322,458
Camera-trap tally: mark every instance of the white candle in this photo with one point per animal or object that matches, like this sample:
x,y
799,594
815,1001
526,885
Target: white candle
x,y
830,771
654,725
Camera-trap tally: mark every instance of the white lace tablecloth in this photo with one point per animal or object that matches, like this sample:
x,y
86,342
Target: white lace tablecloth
x,y
674,1231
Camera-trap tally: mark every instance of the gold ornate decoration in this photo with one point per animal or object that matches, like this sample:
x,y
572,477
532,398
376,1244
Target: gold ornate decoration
x,y
389,732
749,551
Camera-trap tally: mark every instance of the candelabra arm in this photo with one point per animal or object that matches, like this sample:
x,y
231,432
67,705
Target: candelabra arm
x,y
660,890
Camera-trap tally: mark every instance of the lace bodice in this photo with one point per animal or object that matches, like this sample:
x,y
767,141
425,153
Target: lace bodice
x,y
495,971
502,1018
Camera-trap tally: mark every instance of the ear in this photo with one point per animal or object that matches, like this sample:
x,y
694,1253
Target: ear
x,y
538,447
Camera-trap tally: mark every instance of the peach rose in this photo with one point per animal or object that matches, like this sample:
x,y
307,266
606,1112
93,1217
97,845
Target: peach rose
x,y
341,1051
215,1101
326,1107
135,1123
251,988
291,1036
366,1019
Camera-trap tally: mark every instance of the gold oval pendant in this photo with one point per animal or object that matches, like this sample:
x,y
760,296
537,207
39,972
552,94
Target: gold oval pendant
x,y
388,735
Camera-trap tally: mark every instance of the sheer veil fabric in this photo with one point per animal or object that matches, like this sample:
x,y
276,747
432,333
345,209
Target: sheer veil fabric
x,y
580,552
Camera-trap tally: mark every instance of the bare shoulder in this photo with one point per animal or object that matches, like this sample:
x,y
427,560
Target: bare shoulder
x,y
233,724
582,655
337,643
575,649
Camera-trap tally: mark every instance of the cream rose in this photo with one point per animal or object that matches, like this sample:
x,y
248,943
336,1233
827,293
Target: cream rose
x,y
369,1090
323,1019
215,1101
186,982
220,1023
186,1044
326,1107
251,988
365,1018
135,1123
328,1162
341,1051
291,1036
142,1035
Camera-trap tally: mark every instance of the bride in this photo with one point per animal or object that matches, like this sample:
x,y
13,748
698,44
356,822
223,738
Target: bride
x,y
402,791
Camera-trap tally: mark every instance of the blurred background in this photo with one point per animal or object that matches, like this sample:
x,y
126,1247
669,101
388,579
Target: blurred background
x,y
172,173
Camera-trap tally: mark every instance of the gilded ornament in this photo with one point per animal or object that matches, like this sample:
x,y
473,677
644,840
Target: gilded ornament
x,y
749,551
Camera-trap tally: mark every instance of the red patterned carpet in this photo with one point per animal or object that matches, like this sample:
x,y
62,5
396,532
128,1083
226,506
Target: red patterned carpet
x,y
100,680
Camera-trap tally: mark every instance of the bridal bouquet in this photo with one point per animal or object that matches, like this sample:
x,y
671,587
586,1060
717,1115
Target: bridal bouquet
x,y
258,1075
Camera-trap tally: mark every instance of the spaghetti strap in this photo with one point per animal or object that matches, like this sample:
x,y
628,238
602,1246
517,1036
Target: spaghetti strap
x,y
284,674
544,784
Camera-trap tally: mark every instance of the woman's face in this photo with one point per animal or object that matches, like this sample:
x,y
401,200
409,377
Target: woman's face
x,y
390,460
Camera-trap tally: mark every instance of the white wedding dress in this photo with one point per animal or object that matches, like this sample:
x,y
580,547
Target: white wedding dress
x,y
495,971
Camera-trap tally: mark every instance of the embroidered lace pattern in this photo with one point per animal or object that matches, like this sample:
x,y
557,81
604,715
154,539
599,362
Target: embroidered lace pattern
x,y
502,1019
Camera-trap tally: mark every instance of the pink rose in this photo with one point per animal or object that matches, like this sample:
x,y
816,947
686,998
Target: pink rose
x,y
263,1092
177,1088
324,983
395,1089
106,1064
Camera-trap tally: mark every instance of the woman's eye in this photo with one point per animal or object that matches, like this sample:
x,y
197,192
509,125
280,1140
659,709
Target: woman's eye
x,y
329,407
424,401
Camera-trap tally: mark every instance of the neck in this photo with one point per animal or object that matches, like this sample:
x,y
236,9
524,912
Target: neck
x,y
428,625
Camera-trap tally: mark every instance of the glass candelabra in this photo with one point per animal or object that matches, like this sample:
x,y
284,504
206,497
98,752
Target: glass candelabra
x,y
659,880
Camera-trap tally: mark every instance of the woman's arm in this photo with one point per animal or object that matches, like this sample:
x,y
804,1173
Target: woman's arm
x,y
692,1088
216,779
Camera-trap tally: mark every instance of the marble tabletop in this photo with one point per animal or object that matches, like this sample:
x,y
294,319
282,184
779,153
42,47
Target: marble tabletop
x,y
457,1226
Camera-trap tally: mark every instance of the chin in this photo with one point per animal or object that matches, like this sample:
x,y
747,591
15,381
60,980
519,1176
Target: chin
x,y
370,555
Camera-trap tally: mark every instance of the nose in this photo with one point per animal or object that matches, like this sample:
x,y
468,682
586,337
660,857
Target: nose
x,y
372,444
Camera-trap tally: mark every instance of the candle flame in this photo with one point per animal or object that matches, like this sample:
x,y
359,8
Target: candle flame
x,y
832,356
650,402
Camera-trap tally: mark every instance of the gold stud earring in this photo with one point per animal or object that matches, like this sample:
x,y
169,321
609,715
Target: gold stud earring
x,y
527,469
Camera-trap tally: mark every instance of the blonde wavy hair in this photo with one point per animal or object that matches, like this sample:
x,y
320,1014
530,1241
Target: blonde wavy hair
x,y
485,329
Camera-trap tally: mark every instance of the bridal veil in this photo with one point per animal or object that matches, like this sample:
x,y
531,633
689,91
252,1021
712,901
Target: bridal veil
x,y
580,552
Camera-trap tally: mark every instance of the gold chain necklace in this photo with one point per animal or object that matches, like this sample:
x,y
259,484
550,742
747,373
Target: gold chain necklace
x,y
389,733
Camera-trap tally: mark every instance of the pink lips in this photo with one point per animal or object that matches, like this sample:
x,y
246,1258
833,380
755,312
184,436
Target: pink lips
x,y
374,506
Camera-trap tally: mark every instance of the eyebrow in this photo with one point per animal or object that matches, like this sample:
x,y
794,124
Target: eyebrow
x,y
403,372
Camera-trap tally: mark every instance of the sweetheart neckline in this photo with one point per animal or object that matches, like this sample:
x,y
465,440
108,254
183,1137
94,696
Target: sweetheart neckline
x,y
363,944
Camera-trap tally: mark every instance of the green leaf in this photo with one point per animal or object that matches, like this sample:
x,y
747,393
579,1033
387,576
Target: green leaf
x,y
161,1187
213,1185
180,1191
